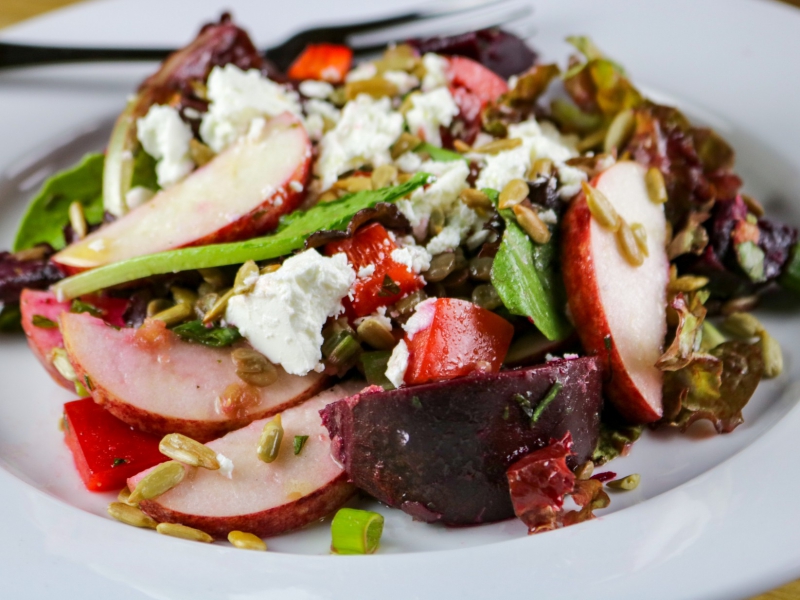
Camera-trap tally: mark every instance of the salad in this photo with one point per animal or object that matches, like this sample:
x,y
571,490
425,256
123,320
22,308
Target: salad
x,y
454,278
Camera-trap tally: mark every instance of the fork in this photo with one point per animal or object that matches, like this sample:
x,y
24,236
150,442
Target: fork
x,y
365,37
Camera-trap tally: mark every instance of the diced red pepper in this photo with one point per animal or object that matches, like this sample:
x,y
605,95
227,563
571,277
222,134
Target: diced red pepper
x,y
326,62
112,310
462,338
106,450
538,483
390,281
466,73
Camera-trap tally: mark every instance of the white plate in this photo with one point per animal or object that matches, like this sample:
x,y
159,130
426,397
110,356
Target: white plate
x,y
714,517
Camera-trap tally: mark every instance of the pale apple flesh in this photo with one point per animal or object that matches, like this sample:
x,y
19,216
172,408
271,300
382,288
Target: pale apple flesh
x,y
619,310
43,340
265,499
173,388
239,194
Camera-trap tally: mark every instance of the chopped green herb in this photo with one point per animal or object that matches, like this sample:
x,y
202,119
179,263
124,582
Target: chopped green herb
x,y
607,342
356,531
506,413
216,337
416,402
79,306
292,234
299,442
44,322
551,395
374,367
524,404
119,462
751,258
438,154
88,382
389,287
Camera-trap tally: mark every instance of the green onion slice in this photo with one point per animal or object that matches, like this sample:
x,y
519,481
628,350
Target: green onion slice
x,y
356,531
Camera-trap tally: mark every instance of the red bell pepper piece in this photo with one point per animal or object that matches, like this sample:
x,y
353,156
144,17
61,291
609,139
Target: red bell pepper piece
x,y
326,62
461,338
466,73
390,281
106,450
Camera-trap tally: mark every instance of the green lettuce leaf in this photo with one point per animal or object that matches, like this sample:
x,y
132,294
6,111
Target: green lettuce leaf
x,y
291,236
688,334
48,212
616,439
216,337
527,279
439,154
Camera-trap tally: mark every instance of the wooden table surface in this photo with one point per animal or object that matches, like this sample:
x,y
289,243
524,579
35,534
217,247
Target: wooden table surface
x,y
13,11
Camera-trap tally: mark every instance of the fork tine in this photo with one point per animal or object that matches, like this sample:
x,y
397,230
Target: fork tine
x,y
367,43
286,52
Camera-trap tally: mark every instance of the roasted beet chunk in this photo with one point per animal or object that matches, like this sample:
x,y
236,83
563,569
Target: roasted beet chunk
x,y
497,50
17,273
440,451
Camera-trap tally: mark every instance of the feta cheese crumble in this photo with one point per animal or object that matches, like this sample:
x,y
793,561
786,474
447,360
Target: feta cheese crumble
x,y
363,135
165,137
415,258
429,111
435,71
398,364
538,141
421,319
404,82
315,89
237,98
319,112
225,466
284,314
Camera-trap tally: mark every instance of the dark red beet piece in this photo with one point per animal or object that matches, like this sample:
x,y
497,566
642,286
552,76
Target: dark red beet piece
x,y
497,50
106,450
440,451
16,274
538,483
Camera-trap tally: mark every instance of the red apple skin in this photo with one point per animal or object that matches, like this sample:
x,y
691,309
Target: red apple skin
x,y
255,499
89,342
589,316
43,341
262,218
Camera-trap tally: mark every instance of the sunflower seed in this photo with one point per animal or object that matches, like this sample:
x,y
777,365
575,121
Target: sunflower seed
x,y
593,140
246,541
436,221
183,532
60,360
219,307
269,444
215,277
200,153
182,295
158,305
602,210
188,451
585,470
246,278
497,146
514,192
405,143
656,188
130,515
461,147
475,199
631,482
687,283
533,225
640,235
541,167
377,87
160,480
353,184
772,355
620,130
383,176
743,325
253,367
376,334
124,494
175,314
753,205
77,219
628,246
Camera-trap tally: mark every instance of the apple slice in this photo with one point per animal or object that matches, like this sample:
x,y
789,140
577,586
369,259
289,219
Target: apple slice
x,y
43,340
241,193
260,498
620,310
171,387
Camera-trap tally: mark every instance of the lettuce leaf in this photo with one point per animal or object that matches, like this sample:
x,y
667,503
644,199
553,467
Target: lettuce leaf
x,y
291,236
688,334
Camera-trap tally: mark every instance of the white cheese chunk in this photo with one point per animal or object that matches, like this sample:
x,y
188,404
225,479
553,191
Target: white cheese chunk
x,y
363,71
415,258
237,98
398,364
363,135
283,316
315,89
429,111
435,71
405,82
225,466
165,137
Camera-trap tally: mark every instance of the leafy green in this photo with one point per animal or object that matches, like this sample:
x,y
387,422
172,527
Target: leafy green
x,y
48,212
615,439
791,273
216,337
374,366
299,442
688,334
751,258
714,386
545,402
526,277
292,234
79,306
437,153
43,322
